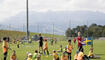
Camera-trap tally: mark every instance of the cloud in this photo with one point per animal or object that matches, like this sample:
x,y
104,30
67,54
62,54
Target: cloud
x,y
1,1
12,7
61,5
95,5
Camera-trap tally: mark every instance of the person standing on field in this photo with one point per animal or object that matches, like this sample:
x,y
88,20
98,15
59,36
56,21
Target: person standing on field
x,y
74,40
79,40
69,49
18,42
40,42
46,47
5,47
13,56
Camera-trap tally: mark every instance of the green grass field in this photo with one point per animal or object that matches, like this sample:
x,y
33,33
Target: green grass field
x,y
99,49
19,34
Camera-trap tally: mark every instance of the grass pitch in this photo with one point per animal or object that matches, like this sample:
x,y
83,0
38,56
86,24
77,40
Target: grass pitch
x,y
99,49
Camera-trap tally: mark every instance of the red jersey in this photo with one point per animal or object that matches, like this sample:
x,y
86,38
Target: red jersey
x,y
74,40
79,38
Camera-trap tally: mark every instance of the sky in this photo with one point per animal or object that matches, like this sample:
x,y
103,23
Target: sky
x,y
10,8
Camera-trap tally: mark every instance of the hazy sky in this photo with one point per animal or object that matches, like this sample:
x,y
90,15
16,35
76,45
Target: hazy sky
x,y
10,8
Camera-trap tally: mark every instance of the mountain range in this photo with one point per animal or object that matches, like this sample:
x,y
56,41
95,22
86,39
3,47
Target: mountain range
x,y
55,21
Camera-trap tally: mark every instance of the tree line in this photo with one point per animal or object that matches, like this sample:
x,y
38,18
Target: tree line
x,y
93,30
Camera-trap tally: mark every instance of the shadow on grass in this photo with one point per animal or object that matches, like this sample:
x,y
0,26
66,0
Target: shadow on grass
x,y
97,56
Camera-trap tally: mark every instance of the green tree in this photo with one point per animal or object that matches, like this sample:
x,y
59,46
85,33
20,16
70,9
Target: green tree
x,y
68,32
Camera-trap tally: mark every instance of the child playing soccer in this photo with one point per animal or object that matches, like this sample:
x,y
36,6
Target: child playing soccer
x,y
39,57
46,47
61,49
18,42
82,56
29,56
74,40
36,56
69,49
55,55
91,55
76,55
5,47
64,56
13,57
65,49
55,40
30,40
52,40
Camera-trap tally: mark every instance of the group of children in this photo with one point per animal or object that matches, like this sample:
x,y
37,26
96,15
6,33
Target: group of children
x,y
81,56
35,56
65,53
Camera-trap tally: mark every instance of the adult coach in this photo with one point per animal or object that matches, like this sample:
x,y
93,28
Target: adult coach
x,y
79,40
40,42
5,48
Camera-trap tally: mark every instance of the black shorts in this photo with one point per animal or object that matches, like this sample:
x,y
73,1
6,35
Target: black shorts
x,y
80,48
69,54
5,54
40,44
58,59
